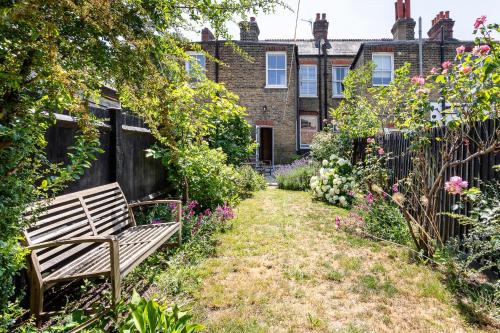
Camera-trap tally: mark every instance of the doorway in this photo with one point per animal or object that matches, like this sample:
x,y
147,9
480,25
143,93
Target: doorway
x,y
265,140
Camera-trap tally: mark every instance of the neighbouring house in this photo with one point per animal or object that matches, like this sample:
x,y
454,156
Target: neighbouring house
x,y
288,86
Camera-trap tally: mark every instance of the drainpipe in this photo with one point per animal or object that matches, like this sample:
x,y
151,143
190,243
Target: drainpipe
x,y
420,54
325,76
441,49
320,108
217,57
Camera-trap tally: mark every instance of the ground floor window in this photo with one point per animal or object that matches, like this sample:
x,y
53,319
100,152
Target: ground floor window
x,y
308,128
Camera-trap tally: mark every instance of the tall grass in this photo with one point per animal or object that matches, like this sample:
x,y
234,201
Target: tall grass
x,y
296,176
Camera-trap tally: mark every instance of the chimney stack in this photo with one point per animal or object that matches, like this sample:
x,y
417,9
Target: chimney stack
x,y
207,35
249,30
404,27
442,19
320,28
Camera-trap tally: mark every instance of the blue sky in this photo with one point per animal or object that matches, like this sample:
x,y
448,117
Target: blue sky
x,y
368,18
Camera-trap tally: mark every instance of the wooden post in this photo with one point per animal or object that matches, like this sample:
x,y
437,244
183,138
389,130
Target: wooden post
x,y
115,145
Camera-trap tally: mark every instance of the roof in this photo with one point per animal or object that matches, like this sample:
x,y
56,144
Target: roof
x,y
340,47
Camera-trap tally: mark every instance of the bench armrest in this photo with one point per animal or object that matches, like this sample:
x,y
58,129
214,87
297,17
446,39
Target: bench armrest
x,y
112,240
155,202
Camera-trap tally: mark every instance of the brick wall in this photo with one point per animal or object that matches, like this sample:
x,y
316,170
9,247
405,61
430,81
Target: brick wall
x,y
275,107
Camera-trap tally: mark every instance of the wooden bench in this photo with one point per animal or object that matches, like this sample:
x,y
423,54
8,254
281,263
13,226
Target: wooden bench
x,y
90,233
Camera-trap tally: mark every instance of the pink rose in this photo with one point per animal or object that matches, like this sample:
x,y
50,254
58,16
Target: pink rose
x,y
461,49
446,64
479,22
434,70
465,69
370,140
381,151
418,80
484,49
455,185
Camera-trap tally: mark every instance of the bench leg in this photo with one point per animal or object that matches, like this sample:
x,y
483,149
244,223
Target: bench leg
x,y
180,236
116,289
115,272
36,301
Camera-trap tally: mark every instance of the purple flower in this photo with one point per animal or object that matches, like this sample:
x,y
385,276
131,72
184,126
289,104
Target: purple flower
x,y
192,204
337,222
172,206
395,188
155,221
369,198
207,212
224,212
286,168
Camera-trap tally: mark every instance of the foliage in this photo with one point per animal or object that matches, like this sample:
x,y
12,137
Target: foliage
x,y
248,181
335,182
372,172
296,176
327,143
384,219
234,137
147,316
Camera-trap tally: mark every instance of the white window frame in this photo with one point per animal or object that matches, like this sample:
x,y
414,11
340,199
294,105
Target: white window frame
x,y
315,81
391,54
301,145
267,69
334,81
193,54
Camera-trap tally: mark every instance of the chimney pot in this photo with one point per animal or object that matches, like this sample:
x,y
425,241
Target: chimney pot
x,y
408,9
252,19
447,14
207,35
442,19
320,27
317,16
323,16
249,30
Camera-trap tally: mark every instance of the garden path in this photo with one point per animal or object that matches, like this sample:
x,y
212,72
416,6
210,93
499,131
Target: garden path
x,y
284,267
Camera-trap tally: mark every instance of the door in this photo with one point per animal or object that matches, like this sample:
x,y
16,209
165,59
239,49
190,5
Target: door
x,y
265,140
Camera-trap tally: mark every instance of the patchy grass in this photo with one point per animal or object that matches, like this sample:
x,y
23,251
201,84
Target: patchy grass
x,y
285,268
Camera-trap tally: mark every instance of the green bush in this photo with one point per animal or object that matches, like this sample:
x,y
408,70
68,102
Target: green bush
x,y
295,176
248,181
328,143
385,220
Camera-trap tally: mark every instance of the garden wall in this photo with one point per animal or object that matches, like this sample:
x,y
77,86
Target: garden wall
x,y
124,138
475,171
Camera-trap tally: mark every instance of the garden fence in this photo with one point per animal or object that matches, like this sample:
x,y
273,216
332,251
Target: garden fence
x,y
124,138
475,171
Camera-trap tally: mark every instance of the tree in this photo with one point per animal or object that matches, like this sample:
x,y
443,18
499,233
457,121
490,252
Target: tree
x,y
55,55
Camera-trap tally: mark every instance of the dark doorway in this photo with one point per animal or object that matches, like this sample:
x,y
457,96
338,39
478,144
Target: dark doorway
x,y
266,145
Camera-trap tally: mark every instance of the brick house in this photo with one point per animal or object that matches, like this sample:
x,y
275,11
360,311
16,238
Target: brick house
x,y
288,86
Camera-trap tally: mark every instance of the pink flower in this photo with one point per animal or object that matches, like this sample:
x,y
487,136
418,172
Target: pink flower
x,y
461,49
370,140
395,188
422,91
434,70
381,151
479,22
350,193
446,64
155,221
418,80
369,198
481,50
465,69
455,185
337,222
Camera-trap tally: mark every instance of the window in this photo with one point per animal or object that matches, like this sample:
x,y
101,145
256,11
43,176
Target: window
x,y
383,72
308,128
308,81
338,76
195,70
276,69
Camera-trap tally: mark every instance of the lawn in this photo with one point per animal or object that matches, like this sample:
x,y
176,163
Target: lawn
x,y
284,267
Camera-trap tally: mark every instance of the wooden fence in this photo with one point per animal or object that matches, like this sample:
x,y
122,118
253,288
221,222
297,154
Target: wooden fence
x,y
124,138
475,171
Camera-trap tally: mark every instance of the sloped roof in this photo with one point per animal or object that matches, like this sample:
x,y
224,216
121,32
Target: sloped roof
x,y
340,47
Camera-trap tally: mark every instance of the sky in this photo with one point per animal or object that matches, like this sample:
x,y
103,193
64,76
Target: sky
x,y
367,18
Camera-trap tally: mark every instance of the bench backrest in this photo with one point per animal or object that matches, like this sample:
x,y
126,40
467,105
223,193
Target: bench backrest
x,y
100,210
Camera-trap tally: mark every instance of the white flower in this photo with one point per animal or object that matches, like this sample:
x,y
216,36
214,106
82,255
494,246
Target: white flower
x,y
331,192
336,190
335,197
332,157
325,188
325,162
342,200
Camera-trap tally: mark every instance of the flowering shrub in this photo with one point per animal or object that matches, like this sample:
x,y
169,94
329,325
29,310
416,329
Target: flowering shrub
x,y
372,171
295,176
335,182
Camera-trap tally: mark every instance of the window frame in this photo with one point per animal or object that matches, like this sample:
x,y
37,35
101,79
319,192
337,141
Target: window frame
x,y
193,54
334,81
391,54
315,95
301,145
274,86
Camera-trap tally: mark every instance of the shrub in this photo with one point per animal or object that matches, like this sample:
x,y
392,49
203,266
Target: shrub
x,y
295,176
328,143
248,180
335,182
384,219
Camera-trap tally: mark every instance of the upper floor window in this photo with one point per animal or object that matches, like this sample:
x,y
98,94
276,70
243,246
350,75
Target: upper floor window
x,y
193,69
308,81
384,68
338,75
276,69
